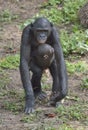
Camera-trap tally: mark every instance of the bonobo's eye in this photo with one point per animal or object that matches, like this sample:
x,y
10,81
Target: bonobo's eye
x,y
41,35
42,31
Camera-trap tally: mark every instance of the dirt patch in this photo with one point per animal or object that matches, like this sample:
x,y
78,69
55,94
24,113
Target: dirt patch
x,y
12,98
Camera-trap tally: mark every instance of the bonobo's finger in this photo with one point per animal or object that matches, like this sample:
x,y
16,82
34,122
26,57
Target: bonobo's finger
x,y
29,110
42,96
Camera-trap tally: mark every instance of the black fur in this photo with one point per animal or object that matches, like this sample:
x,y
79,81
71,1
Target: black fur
x,y
39,33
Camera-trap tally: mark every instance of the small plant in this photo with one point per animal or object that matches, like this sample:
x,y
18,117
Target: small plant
x,y
70,10
84,84
10,106
28,119
6,16
26,22
10,62
54,15
76,42
4,79
49,128
80,66
65,127
53,2
71,112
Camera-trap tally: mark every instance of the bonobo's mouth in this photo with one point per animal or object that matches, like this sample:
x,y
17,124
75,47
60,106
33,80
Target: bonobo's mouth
x,y
42,41
46,57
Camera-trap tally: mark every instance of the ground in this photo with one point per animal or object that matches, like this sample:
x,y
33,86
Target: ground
x,y
74,113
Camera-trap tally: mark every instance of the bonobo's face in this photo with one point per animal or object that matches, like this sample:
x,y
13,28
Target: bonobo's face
x,y
41,29
41,35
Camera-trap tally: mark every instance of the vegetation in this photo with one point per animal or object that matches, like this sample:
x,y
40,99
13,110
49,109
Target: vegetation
x,y
84,84
10,62
74,40
4,80
6,16
75,112
77,67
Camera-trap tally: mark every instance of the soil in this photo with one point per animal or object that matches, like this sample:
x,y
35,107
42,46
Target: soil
x,y
10,39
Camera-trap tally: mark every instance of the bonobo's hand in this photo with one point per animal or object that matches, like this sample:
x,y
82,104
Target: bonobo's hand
x,y
41,95
29,106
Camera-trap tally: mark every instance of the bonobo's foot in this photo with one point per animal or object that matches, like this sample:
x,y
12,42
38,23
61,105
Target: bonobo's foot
x,y
54,104
40,95
53,100
29,107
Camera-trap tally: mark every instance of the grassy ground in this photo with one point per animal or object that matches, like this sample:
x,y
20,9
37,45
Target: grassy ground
x,y
71,115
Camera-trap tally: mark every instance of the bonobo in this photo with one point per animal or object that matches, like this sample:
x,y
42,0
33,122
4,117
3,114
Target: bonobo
x,y
41,49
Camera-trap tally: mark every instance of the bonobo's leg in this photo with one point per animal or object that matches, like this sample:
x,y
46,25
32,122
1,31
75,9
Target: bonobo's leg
x,y
36,81
55,85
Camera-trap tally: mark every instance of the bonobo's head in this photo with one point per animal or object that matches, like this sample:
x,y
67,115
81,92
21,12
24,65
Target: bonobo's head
x,y
41,29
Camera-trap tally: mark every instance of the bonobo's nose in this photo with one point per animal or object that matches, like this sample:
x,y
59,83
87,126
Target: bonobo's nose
x,y
42,36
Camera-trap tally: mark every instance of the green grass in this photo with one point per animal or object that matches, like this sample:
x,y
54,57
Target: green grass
x,y
14,102
84,84
65,127
7,16
74,42
65,14
70,10
74,112
77,67
62,11
4,79
10,106
10,62
59,11
28,119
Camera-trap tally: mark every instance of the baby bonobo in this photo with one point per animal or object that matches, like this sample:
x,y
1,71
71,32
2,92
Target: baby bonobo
x,y
43,56
40,50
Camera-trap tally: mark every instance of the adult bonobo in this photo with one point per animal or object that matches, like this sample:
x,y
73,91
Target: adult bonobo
x,y
41,49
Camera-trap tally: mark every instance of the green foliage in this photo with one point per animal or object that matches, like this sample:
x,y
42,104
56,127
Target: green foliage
x,y
49,128
10,106
84,84
4,79
53,2
70,9
61,12
25,23
28,119
80,66
52,14
65,127
76,42
10,62
74,112
6,16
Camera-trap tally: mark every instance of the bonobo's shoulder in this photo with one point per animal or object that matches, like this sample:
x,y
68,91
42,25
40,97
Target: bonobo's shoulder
x,y
54,29
27,28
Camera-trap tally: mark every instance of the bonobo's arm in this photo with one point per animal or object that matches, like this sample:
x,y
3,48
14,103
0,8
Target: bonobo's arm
x,y
24,69
61,68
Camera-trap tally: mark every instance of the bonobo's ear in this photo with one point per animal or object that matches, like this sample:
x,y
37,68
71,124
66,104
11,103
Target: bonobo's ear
x,y
32,29
51,24
32,25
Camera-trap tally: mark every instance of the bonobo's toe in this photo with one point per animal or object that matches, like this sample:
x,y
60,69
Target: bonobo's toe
x,y
29,110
